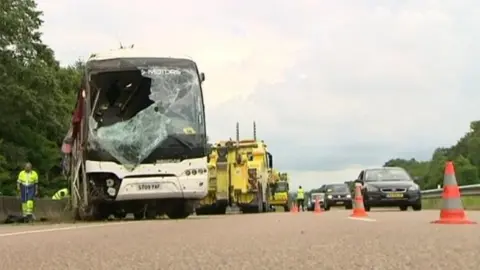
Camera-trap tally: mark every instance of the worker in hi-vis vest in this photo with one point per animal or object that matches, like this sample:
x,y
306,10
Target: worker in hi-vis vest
x,y
61,194
300,198
27,186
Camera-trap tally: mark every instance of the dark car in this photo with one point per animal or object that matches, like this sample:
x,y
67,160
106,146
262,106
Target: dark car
x,y
389,187
337,195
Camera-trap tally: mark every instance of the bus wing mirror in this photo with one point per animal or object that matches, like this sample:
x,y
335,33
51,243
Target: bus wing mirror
x,y
202,77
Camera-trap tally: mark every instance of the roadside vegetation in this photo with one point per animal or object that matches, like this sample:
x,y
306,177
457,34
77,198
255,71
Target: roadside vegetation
x,y
37,99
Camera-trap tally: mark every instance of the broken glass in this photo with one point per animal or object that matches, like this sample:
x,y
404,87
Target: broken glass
x,y
177,106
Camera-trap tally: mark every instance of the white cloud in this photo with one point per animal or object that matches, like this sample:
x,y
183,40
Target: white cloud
x,y
330,83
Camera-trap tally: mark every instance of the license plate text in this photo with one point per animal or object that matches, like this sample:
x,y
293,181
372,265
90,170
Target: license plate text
x,y
143,187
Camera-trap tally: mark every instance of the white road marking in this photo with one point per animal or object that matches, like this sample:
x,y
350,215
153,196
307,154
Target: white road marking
x,y
363,219
75,227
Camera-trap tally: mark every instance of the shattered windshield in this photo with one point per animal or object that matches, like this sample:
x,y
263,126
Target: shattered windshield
x,y
136,112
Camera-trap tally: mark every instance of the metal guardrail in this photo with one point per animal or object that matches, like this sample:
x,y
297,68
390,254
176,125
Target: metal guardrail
x,y
464,190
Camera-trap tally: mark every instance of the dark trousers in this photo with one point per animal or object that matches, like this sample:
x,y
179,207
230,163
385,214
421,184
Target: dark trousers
x,y
300,204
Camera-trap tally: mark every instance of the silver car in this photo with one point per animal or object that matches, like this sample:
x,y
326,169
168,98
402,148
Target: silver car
x,y
313,197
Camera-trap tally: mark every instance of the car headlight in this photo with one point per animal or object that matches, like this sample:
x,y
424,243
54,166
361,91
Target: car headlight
x,y
349,196
329,196
371,188
413,188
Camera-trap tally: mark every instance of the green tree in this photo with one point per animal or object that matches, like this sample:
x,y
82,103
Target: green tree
x,y
37,98
465,155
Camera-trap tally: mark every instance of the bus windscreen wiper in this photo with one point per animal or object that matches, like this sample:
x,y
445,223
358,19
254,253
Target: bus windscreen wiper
x,y
183,142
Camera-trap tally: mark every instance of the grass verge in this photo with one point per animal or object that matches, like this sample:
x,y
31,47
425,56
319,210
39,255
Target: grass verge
x,y
469,203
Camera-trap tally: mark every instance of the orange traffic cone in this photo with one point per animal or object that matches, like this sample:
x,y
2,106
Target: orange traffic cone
x,y
317,208
359,208
452,210
293,209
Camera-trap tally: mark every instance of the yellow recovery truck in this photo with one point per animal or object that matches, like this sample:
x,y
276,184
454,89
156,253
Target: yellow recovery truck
x,y
217,199
238,176
279,187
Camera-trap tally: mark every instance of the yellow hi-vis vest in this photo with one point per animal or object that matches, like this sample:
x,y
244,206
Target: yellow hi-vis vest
x,y
62,193
27,178
300,194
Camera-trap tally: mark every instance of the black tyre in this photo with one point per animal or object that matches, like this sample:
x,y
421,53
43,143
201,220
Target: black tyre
x,y
266,204
403,208
367,208
260,199
151,214
286,208
178,211
139,215
99,212
348,207
417,207
120,215
221,210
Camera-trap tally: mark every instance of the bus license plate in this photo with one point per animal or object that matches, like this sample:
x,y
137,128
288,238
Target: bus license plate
x,y
147,187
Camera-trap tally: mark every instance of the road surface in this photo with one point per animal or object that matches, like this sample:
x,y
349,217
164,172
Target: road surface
x,y
330,240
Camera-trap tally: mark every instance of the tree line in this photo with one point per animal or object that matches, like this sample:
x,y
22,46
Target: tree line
x,y
36,101
465,155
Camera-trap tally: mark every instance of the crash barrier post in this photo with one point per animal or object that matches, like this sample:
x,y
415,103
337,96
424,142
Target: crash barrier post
x,y
45,209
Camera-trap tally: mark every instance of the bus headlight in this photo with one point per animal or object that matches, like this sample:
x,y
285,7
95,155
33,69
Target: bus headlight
x,y
195,171
110,182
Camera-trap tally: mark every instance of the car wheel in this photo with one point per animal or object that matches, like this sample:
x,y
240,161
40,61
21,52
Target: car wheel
x,y
348,207
367,208
326,207
403,208
417,207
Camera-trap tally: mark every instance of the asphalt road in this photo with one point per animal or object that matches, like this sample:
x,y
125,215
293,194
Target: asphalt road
x,y
330,240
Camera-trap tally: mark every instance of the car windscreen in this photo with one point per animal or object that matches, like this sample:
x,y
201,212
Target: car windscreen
x,y
337,188
316,196
387,174
281,187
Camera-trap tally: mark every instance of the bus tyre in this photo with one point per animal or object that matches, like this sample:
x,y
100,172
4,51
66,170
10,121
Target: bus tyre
x,y
139,215
120,215
151,214
179,210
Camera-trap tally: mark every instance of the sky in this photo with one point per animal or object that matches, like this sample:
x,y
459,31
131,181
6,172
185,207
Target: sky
x,y
334,86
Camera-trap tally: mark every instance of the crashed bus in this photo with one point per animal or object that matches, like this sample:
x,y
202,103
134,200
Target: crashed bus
x,y
137,143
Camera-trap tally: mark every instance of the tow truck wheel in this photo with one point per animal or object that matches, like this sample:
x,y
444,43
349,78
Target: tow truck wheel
x,y
260,199
403,208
